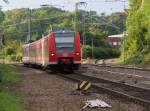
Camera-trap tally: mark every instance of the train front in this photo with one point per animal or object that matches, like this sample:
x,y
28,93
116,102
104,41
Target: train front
x,y
65,50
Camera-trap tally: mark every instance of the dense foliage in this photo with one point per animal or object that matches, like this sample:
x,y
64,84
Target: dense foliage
x,y
137,42
14,27
100,52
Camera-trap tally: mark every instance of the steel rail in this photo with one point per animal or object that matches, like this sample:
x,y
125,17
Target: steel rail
x,y
135,94
120,73
132,93
122,67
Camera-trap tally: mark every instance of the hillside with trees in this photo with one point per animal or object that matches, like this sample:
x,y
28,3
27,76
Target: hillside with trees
x,y
92,27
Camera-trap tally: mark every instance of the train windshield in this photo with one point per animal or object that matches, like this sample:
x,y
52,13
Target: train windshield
x,y
64,42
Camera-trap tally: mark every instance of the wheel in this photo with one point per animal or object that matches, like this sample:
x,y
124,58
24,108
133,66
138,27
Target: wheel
x,y
76,66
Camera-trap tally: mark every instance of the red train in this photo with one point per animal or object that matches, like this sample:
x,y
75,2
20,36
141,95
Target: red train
x,y
58,49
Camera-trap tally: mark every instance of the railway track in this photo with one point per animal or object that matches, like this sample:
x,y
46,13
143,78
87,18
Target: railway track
x,y
135,94
121,67
144,73
129,92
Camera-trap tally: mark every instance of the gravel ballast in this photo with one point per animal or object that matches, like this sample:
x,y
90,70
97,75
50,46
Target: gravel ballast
x,y
50,92
119,75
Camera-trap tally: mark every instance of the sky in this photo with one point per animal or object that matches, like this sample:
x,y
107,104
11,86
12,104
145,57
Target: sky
x,y
97,5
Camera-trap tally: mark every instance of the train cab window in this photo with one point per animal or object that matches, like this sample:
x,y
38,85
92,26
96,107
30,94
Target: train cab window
x,y
64,42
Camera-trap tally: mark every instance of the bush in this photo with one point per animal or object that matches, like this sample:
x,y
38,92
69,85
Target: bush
x,y
87,51
137,59
9,51
16,57
137,40
147,58
12,51
100,52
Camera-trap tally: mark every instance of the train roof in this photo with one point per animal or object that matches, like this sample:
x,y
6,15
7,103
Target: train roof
x,y
65,30
56,32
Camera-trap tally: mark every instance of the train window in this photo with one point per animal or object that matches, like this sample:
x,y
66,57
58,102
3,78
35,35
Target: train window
x,y
64,37
64,42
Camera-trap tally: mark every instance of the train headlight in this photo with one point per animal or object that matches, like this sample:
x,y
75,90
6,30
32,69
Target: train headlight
x,y
52,54
77,53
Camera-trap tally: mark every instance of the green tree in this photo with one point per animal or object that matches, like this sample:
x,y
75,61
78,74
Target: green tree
x,y
137,42
1,17
43,20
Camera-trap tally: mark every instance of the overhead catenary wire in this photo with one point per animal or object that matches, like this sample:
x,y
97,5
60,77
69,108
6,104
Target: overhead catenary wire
x,y
25,22
13,25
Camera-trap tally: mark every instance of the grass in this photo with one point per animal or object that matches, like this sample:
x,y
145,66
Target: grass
x,y
145,65
8,73
9,98
9,102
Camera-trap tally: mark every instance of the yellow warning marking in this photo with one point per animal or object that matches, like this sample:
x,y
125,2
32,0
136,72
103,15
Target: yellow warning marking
x,y
88,86
82,84
77,86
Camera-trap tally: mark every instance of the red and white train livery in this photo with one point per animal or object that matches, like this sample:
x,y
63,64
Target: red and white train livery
x,y
58,49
